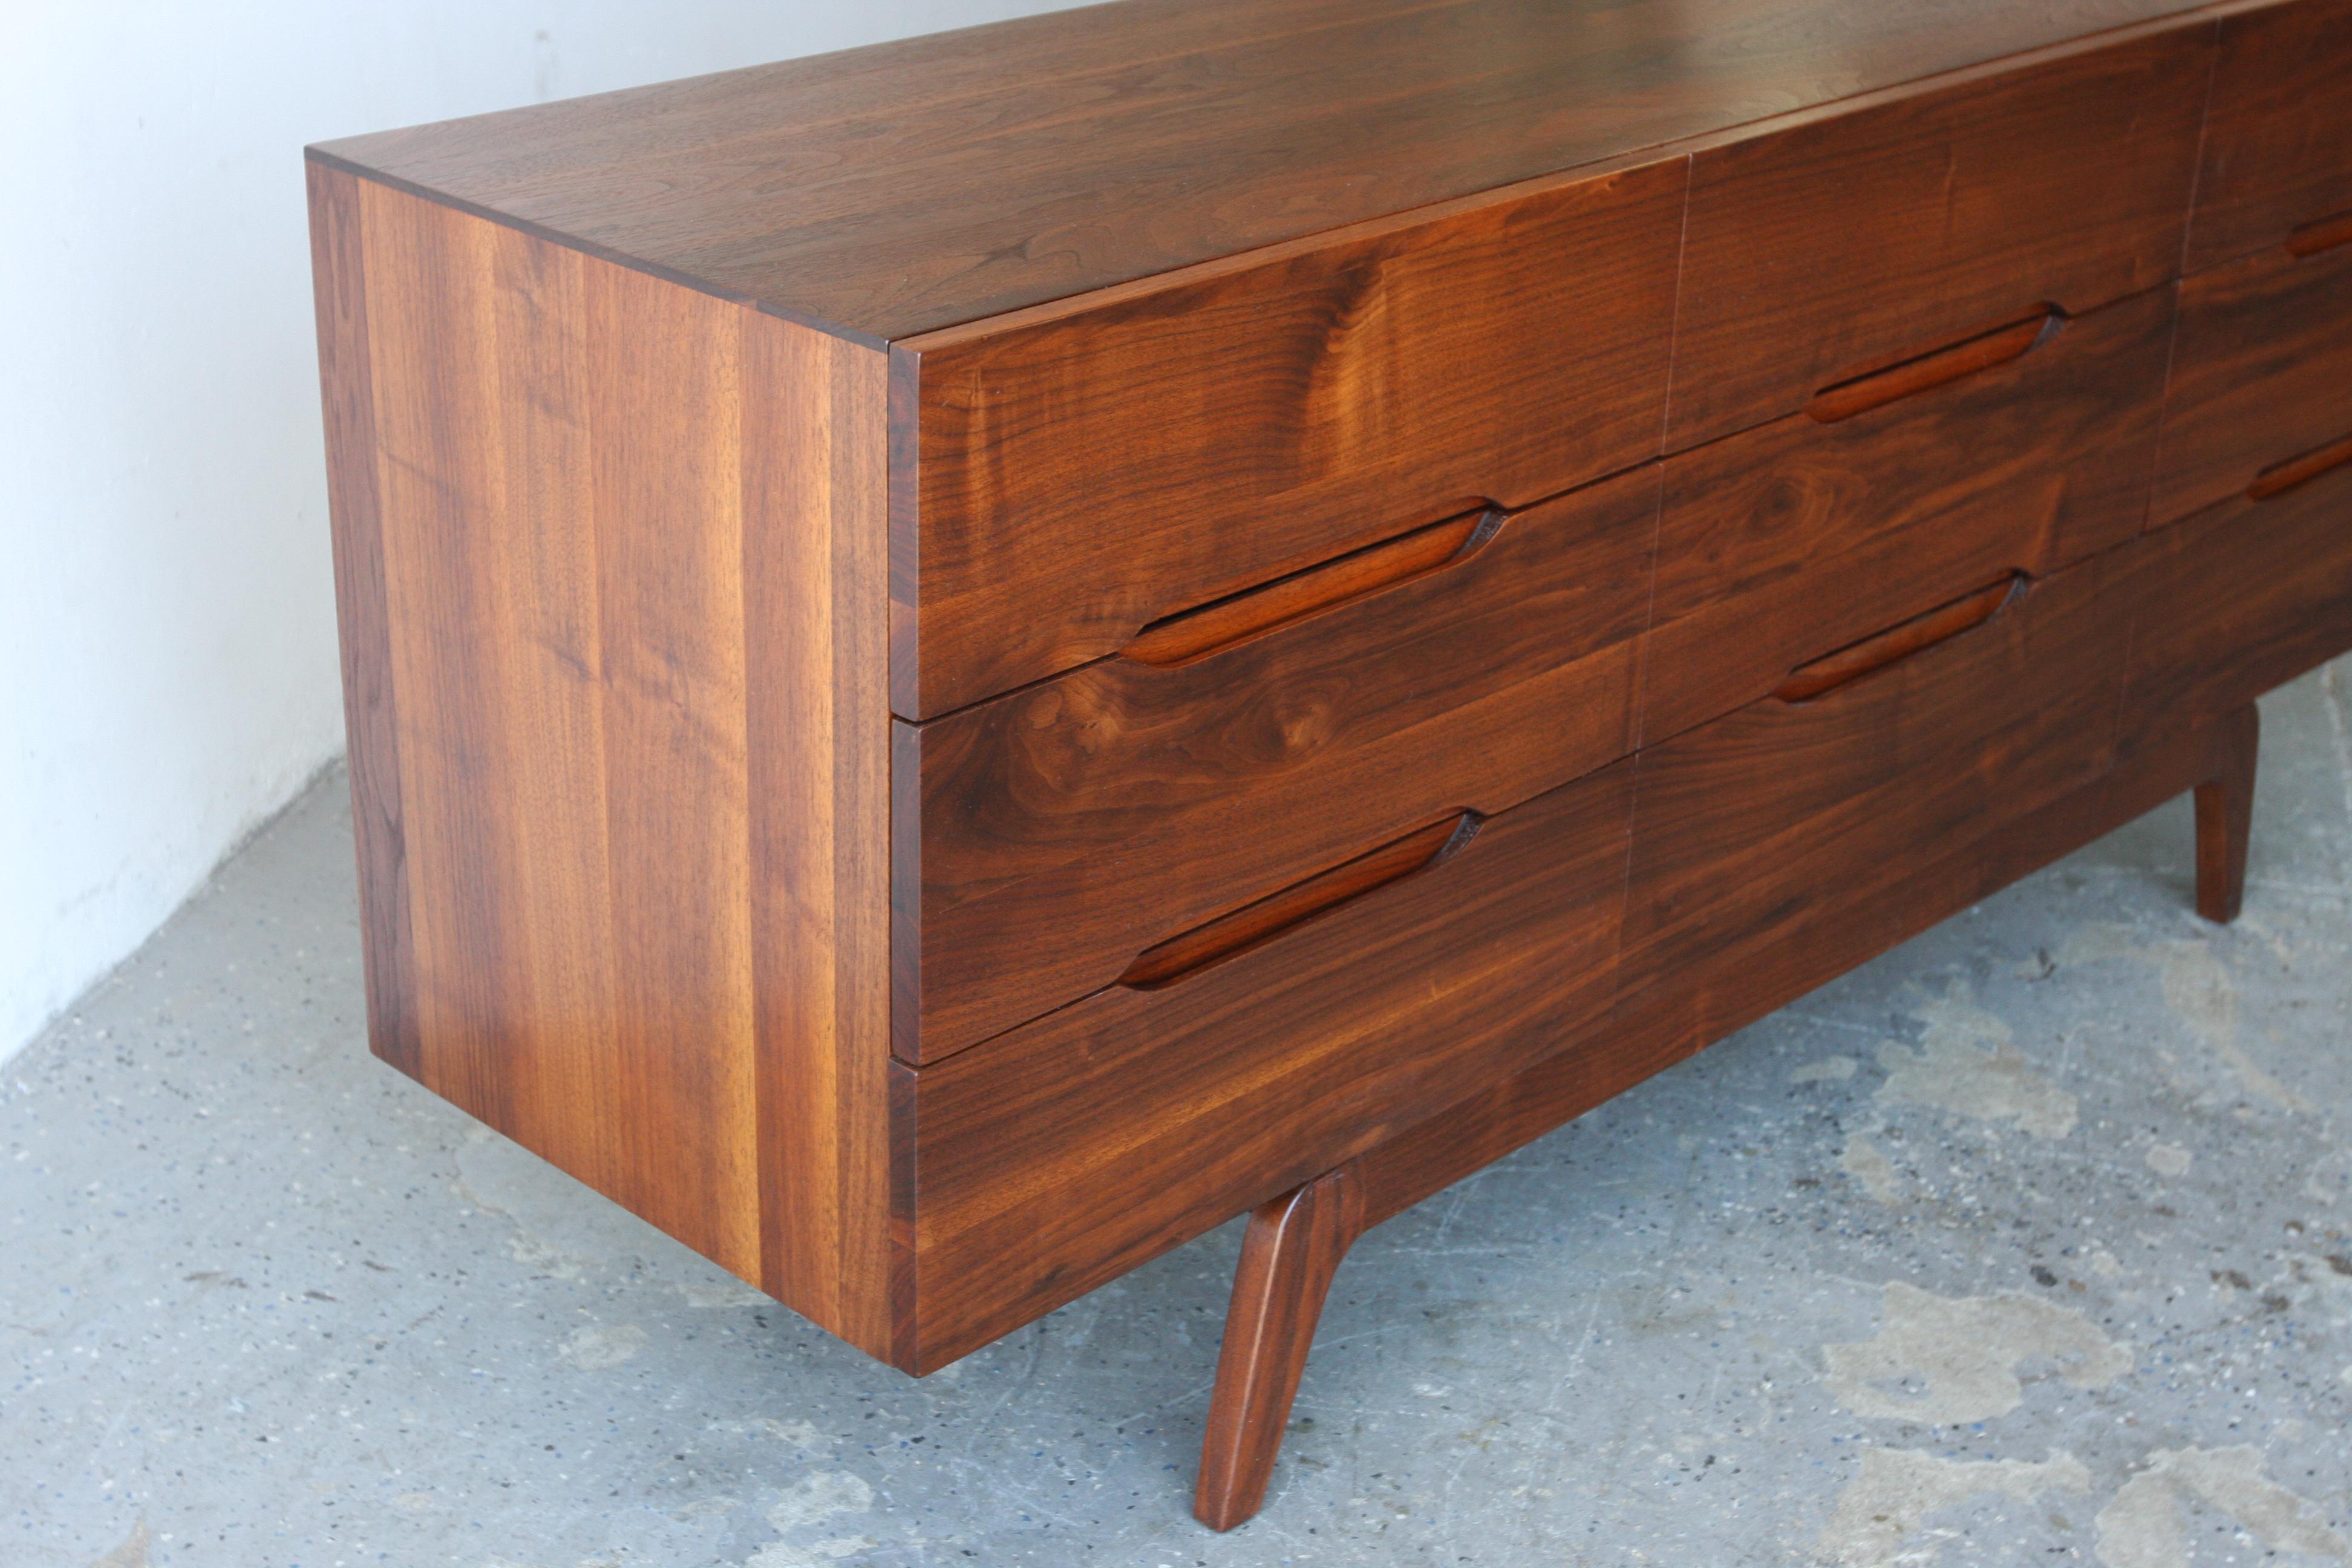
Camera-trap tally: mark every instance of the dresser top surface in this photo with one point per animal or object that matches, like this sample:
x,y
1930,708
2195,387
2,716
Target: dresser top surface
x,y
888,191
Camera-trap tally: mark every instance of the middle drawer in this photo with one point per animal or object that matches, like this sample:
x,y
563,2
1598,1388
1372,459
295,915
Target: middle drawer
x,y
1784,543
1049,842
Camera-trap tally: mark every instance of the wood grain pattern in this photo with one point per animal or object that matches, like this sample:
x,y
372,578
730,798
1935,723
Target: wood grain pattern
x,y
1293,1247
1747,826
2241,599
2065,183
1061,1155
1057,831
1785,542
2262,375
2278,132
562,471
897,189
1084,473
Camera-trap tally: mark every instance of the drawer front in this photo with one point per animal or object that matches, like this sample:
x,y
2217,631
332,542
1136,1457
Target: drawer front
x,y
2261,377
1782,544
2241,599
1754,825
1068,476
1858,240
2278,138
1057,1157
1048,837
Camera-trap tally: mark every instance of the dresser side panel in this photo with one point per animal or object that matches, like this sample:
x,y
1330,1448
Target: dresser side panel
x,y
590,529
371,725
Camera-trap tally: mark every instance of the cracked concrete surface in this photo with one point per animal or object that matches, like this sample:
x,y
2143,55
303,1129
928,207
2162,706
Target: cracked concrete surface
x,y
2031,1240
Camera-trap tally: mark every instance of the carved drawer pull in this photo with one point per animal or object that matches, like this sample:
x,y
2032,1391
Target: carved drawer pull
x,y
1190,952
1198,632
1932,369
1855,660
2321,233
2281,477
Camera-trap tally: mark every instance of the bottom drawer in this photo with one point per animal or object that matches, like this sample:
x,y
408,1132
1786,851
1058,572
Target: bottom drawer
x,y
2242,598
1043,1163
1753,826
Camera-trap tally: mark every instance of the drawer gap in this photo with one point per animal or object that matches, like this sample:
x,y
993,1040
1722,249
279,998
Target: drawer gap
x,y
1190,952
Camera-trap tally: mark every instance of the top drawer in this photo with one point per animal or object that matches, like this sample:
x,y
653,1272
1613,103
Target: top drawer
x,y
2278,138
1076,474
1855,241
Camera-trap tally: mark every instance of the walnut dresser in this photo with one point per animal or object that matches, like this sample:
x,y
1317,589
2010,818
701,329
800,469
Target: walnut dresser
x,y
967,658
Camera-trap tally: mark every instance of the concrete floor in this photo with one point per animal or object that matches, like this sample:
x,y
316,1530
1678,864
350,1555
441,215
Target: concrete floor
x,y
2027,1242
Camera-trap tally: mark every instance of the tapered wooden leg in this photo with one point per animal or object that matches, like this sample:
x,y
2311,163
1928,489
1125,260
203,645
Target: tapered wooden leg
x,y
1293,1248
2225,816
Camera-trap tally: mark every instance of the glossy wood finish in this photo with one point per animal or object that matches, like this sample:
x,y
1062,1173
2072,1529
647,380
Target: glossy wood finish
x,y
900,188
608,574
1292,1249
1079,474
2278,132
1057,831
968,660
1786,543
1747,823
2063,183
1060,1156
2262,375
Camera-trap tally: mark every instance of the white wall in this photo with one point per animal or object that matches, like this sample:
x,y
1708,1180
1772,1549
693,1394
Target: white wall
x,y
167,659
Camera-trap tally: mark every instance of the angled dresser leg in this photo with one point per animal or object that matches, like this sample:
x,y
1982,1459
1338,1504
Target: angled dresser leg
x,y
1293,1248
2225,815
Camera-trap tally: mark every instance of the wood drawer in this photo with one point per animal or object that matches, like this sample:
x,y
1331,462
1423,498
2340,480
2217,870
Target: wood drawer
x,y
1867,236
2241,599
1784,543
2261,377
2278,135
1061,1155
1046,838
1078,471
1754,825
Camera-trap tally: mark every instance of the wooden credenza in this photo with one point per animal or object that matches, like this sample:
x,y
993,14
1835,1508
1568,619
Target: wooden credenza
x,y
967,658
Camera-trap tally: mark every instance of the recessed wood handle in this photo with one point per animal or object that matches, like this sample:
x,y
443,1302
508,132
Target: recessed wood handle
x,y
2281,477
1934,368
1878,651
1190,952
2321,233
1205,630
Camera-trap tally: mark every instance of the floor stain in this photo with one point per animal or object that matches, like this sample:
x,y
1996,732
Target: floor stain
x,y
2199,990
1965,1350
1866,1164
2142,1527
1965,1062
816,1501
1896,1491
596,1347
132,1553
